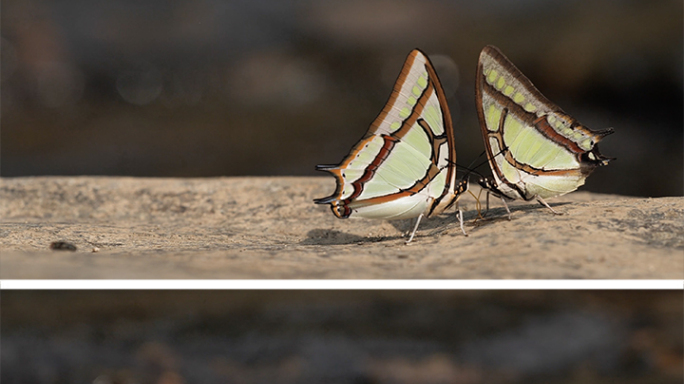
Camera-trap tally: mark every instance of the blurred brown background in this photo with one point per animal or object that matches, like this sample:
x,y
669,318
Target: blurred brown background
x,y
339,337
214,88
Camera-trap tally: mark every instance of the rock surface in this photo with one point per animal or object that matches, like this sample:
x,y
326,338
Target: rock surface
x,y
268,227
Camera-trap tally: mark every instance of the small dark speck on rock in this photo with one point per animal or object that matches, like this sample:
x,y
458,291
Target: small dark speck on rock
x,y
62,246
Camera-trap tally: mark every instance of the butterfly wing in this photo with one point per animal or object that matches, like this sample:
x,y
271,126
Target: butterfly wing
x,y
533,147
405,164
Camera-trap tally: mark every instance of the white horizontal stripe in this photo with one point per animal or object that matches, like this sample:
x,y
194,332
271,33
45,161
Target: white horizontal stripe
x,y
344,284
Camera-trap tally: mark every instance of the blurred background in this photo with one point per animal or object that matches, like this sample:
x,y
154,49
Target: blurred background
x,y
215,88
355,337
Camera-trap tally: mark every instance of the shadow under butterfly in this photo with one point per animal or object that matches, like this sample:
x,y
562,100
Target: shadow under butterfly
x,y
535,150
405,165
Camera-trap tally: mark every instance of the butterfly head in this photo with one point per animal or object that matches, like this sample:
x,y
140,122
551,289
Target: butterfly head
x,y
462,185
487,183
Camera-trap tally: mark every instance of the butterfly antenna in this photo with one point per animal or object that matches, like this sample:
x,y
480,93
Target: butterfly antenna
x,y
486,161
472,169
468,169
476,159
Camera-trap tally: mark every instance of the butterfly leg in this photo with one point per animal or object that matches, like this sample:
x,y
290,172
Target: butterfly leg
x,y
507,209
460,221
415,228
544,203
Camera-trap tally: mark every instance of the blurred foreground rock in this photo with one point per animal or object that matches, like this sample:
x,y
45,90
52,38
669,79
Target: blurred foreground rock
x,y
268,227
342,336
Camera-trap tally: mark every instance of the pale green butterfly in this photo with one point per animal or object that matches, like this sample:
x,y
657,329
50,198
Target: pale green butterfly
x,y
535,150
405,165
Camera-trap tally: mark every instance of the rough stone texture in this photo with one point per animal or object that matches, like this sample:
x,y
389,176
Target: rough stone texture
x,y
268,227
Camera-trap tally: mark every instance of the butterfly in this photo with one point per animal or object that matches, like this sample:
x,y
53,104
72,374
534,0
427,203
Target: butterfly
x,y
405,165
535,150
